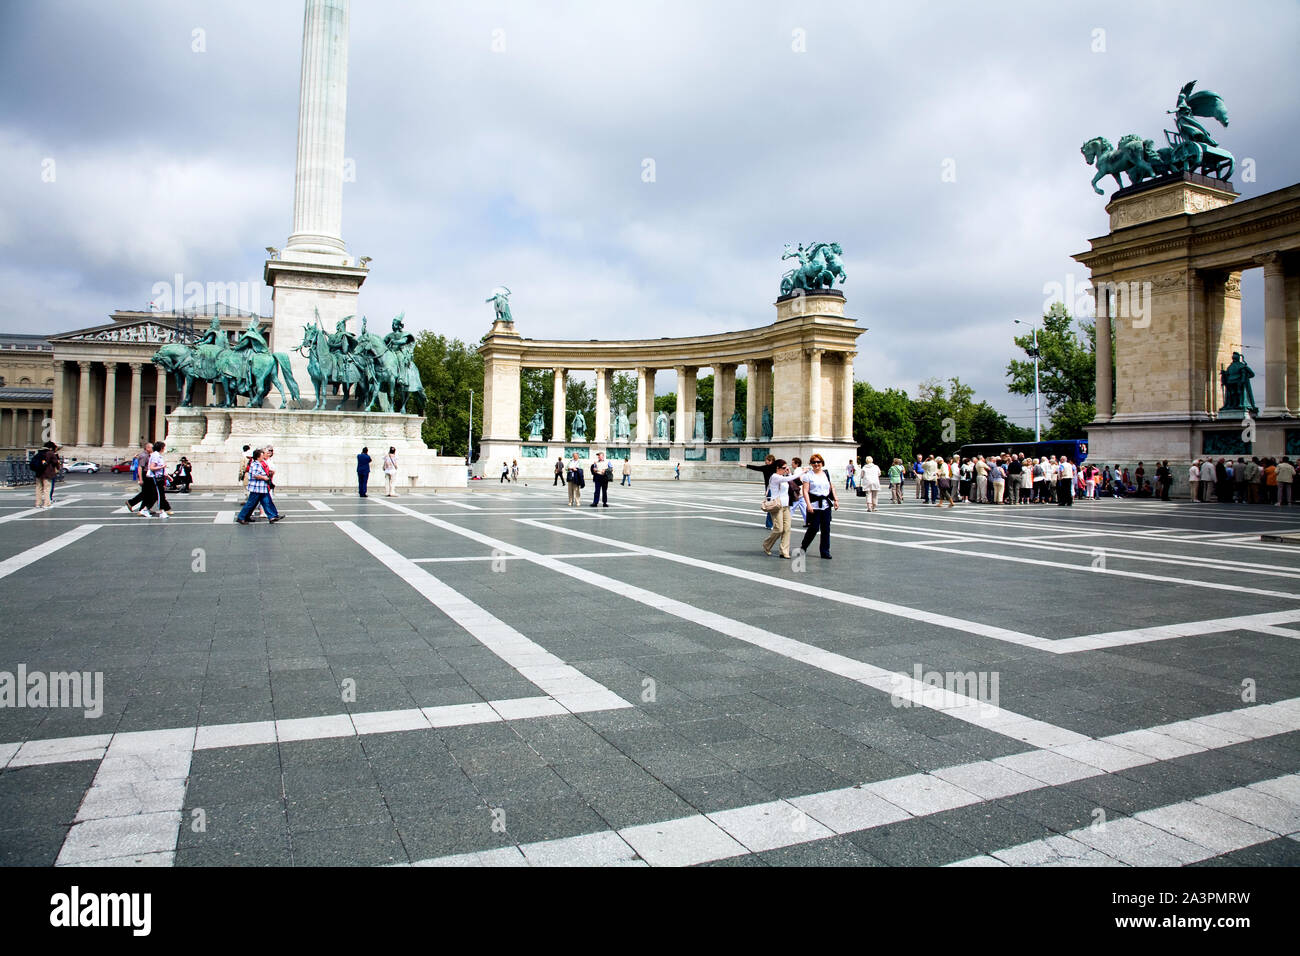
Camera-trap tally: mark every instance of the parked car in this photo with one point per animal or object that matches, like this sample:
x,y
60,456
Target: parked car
x,y
122,466
82,467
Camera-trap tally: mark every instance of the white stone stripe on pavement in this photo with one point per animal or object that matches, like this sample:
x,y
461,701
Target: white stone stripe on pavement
x,y
19,561
52,750
28,512
702,838
562,681
1173,835
1071,645
319,505
904,687
225,517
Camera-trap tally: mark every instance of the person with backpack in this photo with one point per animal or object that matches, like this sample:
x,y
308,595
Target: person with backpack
x,y
896,481
871,482
45,468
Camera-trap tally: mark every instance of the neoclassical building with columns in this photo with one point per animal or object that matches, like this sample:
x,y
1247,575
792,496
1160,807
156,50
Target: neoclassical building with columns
x,y
108,395
800,370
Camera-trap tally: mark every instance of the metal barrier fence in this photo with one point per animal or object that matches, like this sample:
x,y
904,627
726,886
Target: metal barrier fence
x,y
17,472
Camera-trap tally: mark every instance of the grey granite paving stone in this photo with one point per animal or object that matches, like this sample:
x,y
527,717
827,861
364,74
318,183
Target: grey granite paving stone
x,y
913,843
834,851
245,824
375,844
30,845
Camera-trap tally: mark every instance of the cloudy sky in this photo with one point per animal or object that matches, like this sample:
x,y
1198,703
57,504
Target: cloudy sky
x,y
139,140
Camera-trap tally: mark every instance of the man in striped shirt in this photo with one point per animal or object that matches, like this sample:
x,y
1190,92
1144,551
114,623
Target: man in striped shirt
x,y
258,491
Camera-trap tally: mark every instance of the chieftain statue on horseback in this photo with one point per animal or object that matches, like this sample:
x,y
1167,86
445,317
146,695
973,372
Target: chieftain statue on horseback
x,y
379,373
249,367
1191,148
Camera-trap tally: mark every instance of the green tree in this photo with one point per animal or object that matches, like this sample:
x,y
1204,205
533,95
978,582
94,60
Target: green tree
x,y
882,424
1067,371
449,371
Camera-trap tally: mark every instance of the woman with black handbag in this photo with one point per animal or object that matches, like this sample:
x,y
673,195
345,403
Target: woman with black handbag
x,y
819,500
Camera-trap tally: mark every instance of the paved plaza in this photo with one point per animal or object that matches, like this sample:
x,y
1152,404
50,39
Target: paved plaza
x,y
491,677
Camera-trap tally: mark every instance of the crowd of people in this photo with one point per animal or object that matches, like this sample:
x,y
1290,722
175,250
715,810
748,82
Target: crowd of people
x,y
1267,481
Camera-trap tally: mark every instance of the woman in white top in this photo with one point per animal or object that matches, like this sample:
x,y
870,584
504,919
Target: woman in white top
x,y
390,471
778,488
819,498
871,482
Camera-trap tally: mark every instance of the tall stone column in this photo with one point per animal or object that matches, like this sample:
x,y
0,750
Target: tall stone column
x,y
1293,338
59,430
160,396
751,401
602,407
1275,370
689,390
110,404
644,382
845,430
557,407
814,423
83,404
134,437
322,114
1104,385
681,430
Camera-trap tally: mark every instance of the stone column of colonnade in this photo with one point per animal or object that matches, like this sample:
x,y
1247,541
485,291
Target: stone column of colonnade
x,y
645,404
108,439
689,390
603,388
844,433
724,400
135,433
681,431
1292,325
1275,338
814,423
558,429
1104,385
752,429
83,404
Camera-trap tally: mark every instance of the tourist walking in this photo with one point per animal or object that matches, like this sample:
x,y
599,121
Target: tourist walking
x,y
848,476
819,501
259,492
918,475
505,473
600,474
138,467
677,472
1194,480
158,475
981,479
778,491
363,471
627,472
45,468
390,472
896,482
514,471
871,482
559,471
575,481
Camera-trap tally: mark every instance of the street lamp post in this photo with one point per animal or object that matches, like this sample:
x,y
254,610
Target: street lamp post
x,y
1038,432
469,433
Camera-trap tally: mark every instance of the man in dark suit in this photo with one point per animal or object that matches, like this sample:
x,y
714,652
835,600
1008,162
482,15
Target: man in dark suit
x,y
363,471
